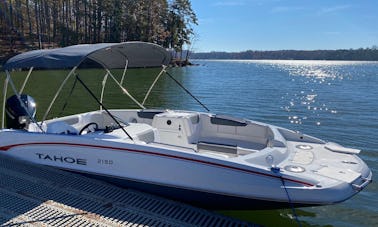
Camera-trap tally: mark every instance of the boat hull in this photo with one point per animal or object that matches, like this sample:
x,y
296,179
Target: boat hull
x,y
201,199
184,176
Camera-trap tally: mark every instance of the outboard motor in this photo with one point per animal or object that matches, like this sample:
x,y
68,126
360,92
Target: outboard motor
x,y
17,117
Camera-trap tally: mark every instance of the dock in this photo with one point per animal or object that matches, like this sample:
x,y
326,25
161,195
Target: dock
x,y
35,195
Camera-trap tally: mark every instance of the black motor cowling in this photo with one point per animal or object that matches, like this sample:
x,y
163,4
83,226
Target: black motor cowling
x,y
18,115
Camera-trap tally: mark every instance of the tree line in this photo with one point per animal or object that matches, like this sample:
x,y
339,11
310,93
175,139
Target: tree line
x,y
366,54
58,23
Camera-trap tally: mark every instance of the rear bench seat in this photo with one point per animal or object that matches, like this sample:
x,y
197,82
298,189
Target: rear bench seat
x,y
227,131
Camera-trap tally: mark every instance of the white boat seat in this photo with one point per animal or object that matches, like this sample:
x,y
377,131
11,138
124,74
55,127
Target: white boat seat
x,y
33,127
85,119
230,142
138,131
228,149
61,127
142,132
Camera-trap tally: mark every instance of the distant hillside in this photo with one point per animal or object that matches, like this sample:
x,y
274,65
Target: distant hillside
x,y
367,54
37,24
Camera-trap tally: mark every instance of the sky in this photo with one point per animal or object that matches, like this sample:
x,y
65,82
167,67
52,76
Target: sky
x,y
239,25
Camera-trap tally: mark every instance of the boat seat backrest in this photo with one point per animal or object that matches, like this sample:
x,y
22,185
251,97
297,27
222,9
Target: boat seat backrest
x,y
33,127
142,132
256,132
87,118
61,127
244,135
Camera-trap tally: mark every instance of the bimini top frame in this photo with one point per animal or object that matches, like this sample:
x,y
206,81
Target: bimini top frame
x,y
108,55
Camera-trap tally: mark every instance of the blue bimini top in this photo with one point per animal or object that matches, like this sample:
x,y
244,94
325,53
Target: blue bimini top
x,y
109,55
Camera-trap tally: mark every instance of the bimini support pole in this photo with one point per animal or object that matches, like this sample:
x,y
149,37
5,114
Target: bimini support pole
x,y
153,84
21,102
103,88
58,92
26,80
124,72
5,89
186,90
106,110
124,90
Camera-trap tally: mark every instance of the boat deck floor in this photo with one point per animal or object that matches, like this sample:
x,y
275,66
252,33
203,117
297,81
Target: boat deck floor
x,y
33,195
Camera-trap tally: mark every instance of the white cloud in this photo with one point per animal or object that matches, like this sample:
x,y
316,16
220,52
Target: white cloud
x,y
334,9
284,9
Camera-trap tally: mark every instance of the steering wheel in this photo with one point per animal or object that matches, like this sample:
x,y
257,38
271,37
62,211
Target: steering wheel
x,y
90,127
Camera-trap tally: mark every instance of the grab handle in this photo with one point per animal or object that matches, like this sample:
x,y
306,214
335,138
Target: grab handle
x,y
365,182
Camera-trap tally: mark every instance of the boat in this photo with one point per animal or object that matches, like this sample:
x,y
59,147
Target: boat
x,y
209,160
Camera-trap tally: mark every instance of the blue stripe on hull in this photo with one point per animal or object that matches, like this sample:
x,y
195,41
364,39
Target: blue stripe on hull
x,y
198,198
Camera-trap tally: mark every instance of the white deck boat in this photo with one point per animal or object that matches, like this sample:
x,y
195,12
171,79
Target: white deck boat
x,y
201,158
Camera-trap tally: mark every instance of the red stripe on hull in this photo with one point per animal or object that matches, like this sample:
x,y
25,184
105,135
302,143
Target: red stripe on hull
x,y
6,148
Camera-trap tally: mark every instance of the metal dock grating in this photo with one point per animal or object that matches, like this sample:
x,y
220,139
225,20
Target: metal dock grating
x,y
33,195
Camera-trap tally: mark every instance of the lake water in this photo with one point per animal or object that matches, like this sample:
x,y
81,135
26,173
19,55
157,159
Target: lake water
x,y
333,100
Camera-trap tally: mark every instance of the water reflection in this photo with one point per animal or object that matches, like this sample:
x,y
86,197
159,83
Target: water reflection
x,y
335,101
273,218
315,75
